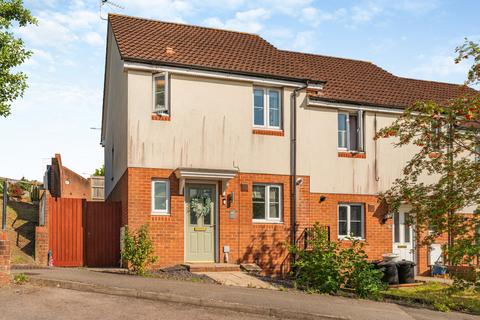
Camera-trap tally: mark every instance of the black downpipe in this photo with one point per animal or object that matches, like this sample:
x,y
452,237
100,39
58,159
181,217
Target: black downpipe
x,y
293,156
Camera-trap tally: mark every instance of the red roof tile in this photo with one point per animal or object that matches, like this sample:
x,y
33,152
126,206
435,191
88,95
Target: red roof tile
x,y
345,80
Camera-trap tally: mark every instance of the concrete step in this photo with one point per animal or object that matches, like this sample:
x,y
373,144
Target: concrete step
x,y
238,279
212,267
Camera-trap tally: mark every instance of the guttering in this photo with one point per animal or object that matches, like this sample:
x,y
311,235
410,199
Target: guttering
x,y
293,156
210,74
346,106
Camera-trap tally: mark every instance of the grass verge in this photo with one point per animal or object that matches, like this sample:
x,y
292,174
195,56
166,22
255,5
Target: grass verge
x,y
440,296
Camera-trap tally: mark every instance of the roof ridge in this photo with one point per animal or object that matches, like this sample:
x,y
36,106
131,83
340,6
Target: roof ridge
x,y
326,56
436,82
192,26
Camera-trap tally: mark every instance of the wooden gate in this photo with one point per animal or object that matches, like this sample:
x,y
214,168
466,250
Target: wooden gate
x,y
66,232
103,234
84,233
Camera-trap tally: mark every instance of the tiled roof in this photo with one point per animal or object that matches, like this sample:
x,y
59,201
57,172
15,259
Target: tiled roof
x,y
345,80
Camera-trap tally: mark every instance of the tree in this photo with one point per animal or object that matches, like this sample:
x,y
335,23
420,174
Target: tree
x,y
448,139
12,53
100,172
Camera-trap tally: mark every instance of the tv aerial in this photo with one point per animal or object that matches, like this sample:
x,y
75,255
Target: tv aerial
x,y
110,4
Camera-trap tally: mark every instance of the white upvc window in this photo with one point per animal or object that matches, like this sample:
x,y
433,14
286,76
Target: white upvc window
x,y
350,131
267,203
267,108
351,221
160,197
161,96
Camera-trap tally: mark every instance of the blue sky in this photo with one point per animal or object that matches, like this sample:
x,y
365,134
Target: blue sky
x,y
411,38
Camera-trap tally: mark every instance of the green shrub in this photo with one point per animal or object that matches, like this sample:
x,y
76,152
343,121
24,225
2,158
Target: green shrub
x,y
360,274
138,250
15,191
20,278
35,193
318,269
327,266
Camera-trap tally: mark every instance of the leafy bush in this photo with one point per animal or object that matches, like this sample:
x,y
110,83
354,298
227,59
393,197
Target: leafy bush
x,y
318,269
327,266
35,193
20,278
100,172
15,191
138,250
24,184
360,274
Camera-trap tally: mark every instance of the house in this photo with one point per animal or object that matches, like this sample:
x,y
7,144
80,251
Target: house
x,y
229,147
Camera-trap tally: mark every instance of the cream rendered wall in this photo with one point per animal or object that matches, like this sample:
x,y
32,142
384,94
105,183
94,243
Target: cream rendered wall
x,y
210,127
115,117
318,154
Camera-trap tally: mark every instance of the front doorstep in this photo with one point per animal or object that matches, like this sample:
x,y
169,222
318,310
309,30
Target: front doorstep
x,y
211,267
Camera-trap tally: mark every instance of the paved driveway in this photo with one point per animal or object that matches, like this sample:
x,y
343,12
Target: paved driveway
x,y
27,302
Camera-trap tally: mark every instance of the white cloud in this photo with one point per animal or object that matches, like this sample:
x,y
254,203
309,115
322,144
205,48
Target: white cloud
x,y
248,21
365,12
48,33
304,41
415,6
93,38
316,16
440,66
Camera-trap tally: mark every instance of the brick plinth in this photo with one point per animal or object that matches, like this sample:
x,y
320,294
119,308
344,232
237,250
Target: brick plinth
x,y
4,259
41,245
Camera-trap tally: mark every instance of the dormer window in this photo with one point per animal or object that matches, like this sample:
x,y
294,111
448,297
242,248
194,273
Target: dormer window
x,y
160,94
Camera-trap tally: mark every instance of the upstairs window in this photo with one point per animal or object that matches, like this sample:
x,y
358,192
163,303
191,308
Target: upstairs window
x,y
350,131
267,108
160,94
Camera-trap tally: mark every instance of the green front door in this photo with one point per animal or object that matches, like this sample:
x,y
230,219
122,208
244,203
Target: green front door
x,y
200,204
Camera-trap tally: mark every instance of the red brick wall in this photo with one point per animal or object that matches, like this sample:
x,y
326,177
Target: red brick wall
x,y
41,245
263,243
4,259
378,233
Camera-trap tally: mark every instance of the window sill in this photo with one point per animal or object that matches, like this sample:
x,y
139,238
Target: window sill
x,y
160,214
269,132
352,154
346,238
160,117
266,222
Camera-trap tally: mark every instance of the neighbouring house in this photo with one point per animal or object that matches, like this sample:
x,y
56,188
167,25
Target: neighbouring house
x,y
76,226
229,147
63,182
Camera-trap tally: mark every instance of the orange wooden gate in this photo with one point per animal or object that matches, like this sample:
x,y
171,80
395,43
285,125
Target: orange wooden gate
x,y
84,233
65,229
103,234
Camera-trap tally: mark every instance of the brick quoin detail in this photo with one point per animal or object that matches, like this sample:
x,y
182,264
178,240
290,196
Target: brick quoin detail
x,y
278,133
159,117
41,245
262,243
4,259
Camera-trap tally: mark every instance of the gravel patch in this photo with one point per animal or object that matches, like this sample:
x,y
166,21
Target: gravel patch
x,y
180,272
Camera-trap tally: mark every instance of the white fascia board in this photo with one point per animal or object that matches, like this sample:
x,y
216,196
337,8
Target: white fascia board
x,y
345,106
211,74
